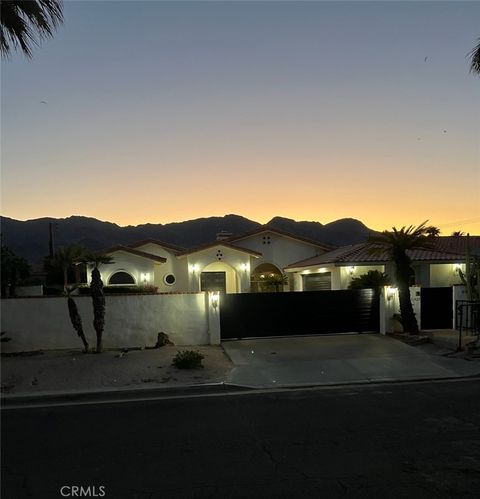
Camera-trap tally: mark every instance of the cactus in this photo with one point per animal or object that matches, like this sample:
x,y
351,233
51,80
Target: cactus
x,y
470,279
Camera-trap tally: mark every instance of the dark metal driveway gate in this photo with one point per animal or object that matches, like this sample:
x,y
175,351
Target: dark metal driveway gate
x,y
296,313
436,308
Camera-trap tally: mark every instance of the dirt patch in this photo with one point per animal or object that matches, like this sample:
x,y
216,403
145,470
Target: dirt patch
x,y
70,371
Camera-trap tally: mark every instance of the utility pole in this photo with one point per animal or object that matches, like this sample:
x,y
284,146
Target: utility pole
x,y
51,243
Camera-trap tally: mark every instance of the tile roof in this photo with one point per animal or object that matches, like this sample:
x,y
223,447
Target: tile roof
x,y
458,244
174,248
135,252
219,243
266,228
364,253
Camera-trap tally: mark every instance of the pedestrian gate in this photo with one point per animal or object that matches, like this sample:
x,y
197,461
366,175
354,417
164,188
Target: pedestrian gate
x,y
436,308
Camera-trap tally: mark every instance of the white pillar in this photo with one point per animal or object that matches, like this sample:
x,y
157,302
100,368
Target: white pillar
x,y
383,310
212,303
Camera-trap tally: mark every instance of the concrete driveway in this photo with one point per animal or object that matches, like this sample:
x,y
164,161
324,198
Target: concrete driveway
x,y
337,359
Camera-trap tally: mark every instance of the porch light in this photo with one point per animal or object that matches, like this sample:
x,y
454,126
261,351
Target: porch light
x,y
457,267
214,297
351,270
391,291
244,267
145,277
194,268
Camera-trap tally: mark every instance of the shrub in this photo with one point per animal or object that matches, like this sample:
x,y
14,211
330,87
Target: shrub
x,y
188,359
118,290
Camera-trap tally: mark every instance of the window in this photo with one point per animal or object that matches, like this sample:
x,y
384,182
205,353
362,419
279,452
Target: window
x,y
121,277
213,281
169,279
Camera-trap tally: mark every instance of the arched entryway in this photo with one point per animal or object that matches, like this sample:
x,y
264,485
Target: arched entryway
x,y
218,276
267,278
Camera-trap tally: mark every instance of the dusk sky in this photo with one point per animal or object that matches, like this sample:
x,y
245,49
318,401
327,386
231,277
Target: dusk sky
x,y
167,111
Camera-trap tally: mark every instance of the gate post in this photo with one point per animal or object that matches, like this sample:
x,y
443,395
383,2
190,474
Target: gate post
x,y
383,310
212,302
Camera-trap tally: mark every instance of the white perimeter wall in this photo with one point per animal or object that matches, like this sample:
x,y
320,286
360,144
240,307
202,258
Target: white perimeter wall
x,y
133,320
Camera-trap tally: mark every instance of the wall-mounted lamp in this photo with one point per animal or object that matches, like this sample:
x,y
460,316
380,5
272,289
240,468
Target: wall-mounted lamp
x,y
457,267
144,277
391,291
244,267
194,268
351,270
214,297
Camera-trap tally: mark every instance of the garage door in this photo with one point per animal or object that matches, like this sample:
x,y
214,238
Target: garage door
x,y
317,282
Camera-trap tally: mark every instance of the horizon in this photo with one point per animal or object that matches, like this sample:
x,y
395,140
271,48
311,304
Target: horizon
x,y
257,108
449,228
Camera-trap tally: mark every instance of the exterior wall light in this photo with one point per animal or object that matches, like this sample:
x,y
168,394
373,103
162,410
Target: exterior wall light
x,y
244,267
145,277
194,268
391,291
214,297
351,270
457,267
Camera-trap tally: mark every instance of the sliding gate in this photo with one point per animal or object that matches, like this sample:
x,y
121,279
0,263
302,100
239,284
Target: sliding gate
x,y
296,313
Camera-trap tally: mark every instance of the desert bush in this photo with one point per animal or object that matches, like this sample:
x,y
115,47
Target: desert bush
x,y
188,359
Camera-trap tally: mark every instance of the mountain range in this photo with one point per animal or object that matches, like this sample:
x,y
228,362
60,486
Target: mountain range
x,y
30,238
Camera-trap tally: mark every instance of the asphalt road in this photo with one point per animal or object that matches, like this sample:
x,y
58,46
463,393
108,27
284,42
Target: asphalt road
x,y
416,440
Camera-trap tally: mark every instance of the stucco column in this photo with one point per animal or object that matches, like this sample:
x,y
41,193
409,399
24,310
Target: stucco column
x,y
383,310
212,303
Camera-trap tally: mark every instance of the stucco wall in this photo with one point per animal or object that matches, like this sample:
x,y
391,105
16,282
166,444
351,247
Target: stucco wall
x,y
281,251
132,264
238,281
172,266
444,274
133,320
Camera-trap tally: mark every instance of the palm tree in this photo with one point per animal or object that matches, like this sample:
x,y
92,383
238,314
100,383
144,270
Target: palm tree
x,y
24,23
475,59
397,244
372,279
76,321
68,257
98,296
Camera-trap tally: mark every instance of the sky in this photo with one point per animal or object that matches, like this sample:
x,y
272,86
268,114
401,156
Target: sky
x,y
155,112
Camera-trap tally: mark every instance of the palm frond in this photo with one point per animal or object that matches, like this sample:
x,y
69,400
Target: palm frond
x,y
24,23
475,59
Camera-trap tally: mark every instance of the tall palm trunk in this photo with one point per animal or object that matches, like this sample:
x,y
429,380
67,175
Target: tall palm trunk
x,y
403,272
76,321
98,301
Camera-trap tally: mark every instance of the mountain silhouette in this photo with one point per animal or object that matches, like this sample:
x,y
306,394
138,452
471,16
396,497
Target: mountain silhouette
x,y
29,238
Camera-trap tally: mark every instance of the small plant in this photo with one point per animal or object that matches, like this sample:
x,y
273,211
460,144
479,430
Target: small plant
x,y
188,359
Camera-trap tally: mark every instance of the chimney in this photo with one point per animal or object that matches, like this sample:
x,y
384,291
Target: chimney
x,y
223,234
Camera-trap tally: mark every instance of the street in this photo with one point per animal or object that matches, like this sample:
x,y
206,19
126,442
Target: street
x,y
411,440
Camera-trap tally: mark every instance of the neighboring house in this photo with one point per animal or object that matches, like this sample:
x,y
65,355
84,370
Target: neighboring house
x,y
335,269
232,264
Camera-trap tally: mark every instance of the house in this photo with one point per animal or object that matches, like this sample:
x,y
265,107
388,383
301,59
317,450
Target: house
x,y
336,268
233,264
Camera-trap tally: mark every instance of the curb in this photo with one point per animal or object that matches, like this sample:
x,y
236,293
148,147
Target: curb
x,y
123,394
212,389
